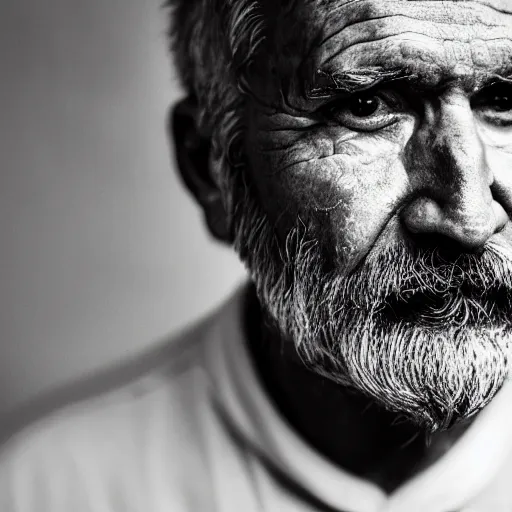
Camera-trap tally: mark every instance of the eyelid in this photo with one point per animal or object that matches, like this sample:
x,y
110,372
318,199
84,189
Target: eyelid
x,y
375,122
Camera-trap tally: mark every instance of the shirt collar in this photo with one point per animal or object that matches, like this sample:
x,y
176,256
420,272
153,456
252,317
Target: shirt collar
x,y
448,484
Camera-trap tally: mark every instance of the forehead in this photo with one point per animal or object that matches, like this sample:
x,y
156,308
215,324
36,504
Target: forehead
x,y
436,40
320,12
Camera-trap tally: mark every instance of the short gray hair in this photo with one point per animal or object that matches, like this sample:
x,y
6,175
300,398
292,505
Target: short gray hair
x,y
214,43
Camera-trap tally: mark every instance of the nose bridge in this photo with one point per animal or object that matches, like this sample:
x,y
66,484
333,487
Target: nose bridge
x,y
459,159
456,198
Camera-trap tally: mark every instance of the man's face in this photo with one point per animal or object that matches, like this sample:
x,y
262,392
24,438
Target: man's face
x,y
380,158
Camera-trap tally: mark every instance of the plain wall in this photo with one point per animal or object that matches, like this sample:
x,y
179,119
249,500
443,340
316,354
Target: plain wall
x,y
102,251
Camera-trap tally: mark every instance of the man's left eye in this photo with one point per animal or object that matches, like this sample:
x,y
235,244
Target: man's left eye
x,y
494,105
365,112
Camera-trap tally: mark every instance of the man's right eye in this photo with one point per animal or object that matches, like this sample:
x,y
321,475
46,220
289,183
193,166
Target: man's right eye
x,y
365,112
494,105
364,106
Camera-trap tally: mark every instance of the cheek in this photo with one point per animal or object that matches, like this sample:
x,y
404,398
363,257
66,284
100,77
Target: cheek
x,y
346,189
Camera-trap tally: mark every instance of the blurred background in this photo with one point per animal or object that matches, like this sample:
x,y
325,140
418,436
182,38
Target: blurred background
x,y
102,251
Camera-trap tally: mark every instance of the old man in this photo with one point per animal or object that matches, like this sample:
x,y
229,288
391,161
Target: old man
x,y
357,154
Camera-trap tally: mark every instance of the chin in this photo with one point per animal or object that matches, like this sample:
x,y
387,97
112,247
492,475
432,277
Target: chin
x,y
434,376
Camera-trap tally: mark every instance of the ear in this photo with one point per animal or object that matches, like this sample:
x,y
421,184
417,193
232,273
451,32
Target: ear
x,y
193,157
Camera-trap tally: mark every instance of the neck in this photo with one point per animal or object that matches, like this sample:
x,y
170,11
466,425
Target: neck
x,y
344,426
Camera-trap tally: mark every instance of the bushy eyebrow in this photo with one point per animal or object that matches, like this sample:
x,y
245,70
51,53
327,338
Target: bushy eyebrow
x,y
326,84
353,81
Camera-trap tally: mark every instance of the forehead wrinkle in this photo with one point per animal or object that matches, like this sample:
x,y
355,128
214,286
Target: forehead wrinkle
x,y
309,23
389,9
500,6
408,38
351,25
472,30
369,29
497,5
319,13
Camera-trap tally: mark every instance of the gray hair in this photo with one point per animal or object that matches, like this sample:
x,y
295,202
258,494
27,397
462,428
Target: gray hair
x,y
215,42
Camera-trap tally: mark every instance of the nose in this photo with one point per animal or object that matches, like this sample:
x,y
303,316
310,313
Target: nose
x,y
453,181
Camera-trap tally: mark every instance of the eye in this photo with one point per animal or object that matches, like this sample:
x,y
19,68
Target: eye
x,y
364,106
364,112
494,105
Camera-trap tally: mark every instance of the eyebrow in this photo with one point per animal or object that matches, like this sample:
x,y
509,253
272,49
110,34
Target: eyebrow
x,y
326,84
353,81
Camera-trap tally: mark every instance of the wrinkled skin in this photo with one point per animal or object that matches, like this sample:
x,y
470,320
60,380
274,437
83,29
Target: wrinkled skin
x,y
429,163
435,158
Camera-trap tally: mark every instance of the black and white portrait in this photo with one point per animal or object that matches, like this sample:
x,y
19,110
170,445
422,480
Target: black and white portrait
x,y
355,157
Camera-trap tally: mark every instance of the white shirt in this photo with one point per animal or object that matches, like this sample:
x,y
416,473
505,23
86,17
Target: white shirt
x,y
193,431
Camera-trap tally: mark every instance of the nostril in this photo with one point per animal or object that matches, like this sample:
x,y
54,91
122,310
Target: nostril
x,y
467,222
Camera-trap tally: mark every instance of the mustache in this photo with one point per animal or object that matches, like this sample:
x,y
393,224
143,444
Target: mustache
x,y
431,286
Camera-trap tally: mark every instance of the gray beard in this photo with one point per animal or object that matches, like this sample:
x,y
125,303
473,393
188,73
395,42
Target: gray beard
x,y
423,336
